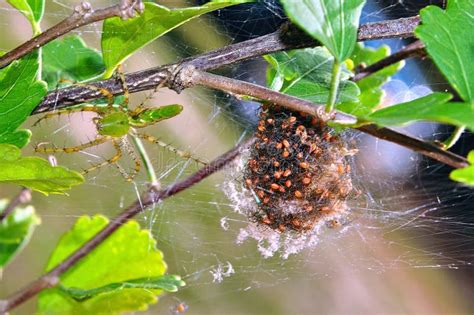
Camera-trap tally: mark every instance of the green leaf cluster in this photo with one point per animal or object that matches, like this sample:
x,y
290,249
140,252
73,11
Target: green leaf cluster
x,y
124,273
15,231
371,92
449,42
334,23
449,39
306,73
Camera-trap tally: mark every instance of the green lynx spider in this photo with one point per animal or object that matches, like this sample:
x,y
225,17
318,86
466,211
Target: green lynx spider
x,y
114,123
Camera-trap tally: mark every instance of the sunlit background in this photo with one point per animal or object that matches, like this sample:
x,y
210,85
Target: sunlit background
x,y
408,248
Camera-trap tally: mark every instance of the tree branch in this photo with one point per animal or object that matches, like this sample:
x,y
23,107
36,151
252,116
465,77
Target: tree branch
x,y
244,88
282,39
149,198
286,38
23,196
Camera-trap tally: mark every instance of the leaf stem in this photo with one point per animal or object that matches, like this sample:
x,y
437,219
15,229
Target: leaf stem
x,y
146,162
36,28
334,87
453,138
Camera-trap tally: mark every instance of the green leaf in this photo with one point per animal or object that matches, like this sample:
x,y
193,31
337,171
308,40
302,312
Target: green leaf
x,y
306,73
34,172
466,174
332,22
15,231
170,283
433,107
32,9
129,253
371,92
449,39
20,92
121,38
70,58
318,93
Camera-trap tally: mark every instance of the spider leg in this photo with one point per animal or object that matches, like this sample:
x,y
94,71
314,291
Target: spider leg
x,y
150,96
106,93
183,154
86,108
112,160
99,140
125,146
126,92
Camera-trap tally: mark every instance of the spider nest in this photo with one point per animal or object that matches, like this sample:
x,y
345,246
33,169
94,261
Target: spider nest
x,y
297,172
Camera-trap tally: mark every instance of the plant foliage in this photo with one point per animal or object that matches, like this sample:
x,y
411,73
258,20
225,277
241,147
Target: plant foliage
x,y
124,273
34,172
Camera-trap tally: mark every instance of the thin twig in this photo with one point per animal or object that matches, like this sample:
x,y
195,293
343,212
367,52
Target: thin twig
x,y
23,196
82,15
415,49
148,199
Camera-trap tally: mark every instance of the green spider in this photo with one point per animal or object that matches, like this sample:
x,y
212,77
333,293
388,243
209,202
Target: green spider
x,y
114,123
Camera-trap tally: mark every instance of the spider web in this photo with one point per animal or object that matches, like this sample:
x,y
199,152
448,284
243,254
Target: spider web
x,y
407,248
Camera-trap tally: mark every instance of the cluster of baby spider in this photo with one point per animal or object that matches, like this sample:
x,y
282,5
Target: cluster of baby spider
x,y
297,171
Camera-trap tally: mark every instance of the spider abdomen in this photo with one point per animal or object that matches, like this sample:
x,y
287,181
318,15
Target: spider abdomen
x,y
149,116
114,124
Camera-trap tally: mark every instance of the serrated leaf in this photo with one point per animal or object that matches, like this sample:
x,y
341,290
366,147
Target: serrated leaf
x,y
129,253
371,92
15,231
32,9
20,92
465,175
332,22
34,172
170,283
449,39
121,38
70,58
433,107
306,73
